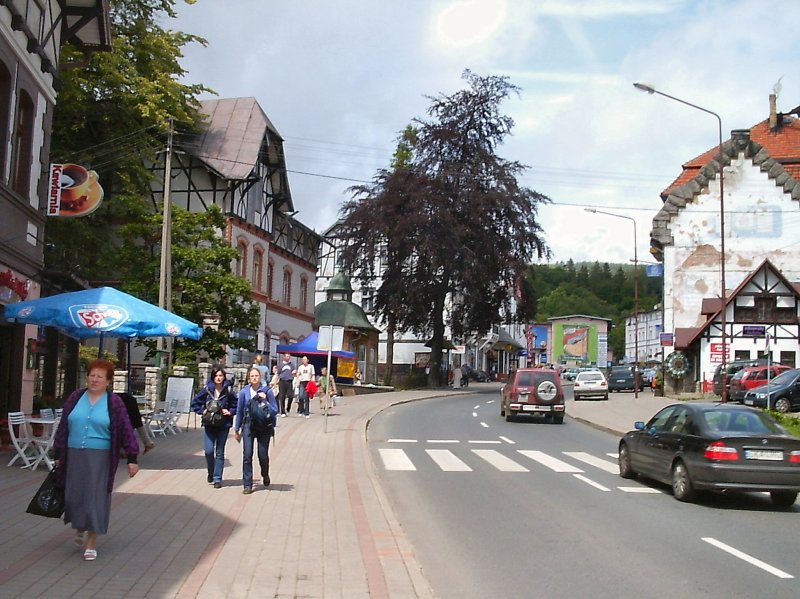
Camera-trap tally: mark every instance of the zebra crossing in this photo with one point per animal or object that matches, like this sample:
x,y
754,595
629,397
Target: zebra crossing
x,y
579,464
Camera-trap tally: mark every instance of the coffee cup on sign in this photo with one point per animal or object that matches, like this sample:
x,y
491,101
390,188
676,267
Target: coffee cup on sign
x,y
76,183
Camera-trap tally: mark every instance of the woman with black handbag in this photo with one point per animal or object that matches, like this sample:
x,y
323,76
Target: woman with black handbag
x,y
216,403
93,431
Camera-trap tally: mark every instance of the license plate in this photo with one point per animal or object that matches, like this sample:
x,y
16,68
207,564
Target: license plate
x,y
536,408
620,380
762,454
748,402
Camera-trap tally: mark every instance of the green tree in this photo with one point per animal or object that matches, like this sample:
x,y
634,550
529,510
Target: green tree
x,y
112,116
202,280
465,228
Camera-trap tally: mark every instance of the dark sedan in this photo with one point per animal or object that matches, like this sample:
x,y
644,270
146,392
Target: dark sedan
x,y
698,446
781,394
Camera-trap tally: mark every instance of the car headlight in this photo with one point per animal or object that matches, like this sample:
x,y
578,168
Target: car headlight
x,y
761,395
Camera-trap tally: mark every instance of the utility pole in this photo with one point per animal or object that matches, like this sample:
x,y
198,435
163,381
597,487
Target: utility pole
x,y
165,280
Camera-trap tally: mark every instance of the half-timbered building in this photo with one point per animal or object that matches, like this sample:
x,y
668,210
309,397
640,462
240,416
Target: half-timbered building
x,y
760,167
31,35
237,163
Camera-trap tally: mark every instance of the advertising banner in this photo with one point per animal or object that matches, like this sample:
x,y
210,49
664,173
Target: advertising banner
x,y
72,191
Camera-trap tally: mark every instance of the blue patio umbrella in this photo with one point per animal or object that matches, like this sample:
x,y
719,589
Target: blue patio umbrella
x,y
102,312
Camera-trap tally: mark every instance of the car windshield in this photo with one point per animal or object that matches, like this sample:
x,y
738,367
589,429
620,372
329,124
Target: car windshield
x,y
721,420
785,377
590,376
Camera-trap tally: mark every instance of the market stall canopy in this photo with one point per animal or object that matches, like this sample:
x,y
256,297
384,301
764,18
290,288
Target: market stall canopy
x,y
308,347
102,312
505,342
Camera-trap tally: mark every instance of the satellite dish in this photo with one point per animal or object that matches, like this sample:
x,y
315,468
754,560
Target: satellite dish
x,y
776,89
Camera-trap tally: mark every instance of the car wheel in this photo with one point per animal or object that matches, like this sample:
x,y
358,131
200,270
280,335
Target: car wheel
x,y
502,408
509,416
546,391
782,405
784,499
558,419
577,397
682,487
625,468
605,397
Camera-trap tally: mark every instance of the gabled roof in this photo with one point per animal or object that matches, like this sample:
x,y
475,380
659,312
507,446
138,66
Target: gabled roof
x,y
685,337
776,152
236,129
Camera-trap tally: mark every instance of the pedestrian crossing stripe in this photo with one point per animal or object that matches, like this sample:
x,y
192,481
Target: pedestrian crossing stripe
x,y
586,458
546,460
499,461
396,459
447,461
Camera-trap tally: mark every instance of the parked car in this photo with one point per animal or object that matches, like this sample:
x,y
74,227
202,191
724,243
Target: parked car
x,y
698,446
568,374
478,375
620,378
781,394
590,383
752,377
533,392
732,368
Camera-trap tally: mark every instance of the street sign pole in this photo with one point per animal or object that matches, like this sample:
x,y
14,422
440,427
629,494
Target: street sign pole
x,y
330,338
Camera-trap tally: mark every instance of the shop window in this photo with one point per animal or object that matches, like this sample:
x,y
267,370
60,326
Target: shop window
x,y
258,267
287,287
303,294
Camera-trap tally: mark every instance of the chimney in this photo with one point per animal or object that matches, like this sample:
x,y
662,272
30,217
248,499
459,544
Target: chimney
x,y
773,112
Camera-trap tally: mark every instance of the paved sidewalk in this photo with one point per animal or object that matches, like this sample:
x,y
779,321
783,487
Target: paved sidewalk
x,y
618,414
323,529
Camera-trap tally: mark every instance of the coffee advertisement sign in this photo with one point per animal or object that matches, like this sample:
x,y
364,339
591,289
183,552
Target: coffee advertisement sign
x,y
73,191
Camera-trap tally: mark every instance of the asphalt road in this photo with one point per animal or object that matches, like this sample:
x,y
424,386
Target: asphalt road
x,y
528,509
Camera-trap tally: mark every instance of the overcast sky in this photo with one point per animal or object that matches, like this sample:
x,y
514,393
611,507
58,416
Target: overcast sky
x,y
340,79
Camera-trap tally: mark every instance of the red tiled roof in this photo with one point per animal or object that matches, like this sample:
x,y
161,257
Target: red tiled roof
x,y
782,145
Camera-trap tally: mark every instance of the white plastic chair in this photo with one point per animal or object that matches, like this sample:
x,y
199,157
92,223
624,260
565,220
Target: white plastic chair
x,y
43,445
47,413
22,439
160,420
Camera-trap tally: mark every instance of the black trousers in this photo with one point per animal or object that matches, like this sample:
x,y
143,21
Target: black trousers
x,y
285,395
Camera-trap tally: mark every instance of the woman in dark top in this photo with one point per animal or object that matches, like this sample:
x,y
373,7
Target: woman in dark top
x,y
218,388
93,431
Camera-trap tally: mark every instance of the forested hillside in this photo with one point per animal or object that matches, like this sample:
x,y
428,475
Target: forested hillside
x,y
593,289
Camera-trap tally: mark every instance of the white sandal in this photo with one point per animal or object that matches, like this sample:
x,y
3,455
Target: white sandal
x,y
90,555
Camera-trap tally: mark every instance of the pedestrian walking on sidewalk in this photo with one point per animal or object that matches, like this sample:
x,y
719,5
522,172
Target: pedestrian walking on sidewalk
x,y
286,380
135,416
218,394
255,423
327,387
93,431
305,374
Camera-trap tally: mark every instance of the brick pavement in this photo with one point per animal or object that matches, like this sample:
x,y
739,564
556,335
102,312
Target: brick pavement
x,y
323,529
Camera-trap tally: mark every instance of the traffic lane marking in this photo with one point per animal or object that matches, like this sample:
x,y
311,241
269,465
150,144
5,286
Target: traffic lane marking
x,y
747,558
589,481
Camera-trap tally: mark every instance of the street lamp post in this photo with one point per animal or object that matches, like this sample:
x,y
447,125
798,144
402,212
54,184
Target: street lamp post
x,y
635,295
723,311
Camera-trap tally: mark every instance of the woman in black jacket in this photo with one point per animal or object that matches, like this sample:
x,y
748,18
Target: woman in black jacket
x,y
217,395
